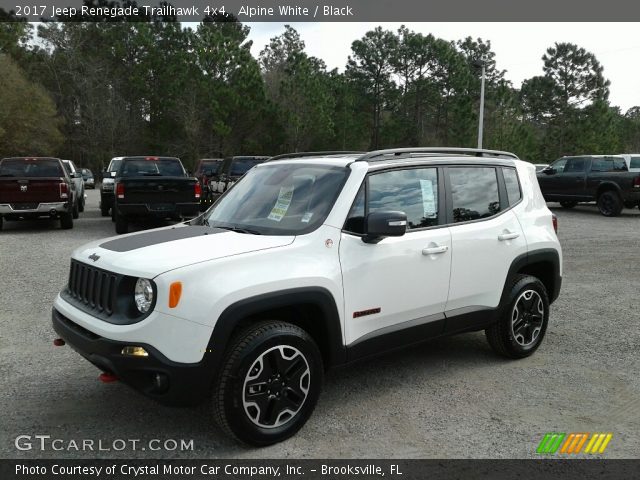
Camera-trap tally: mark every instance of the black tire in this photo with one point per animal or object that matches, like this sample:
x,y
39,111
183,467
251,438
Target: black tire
x,y
81,203
66,221
568,204
290,358
609,203
75,210
122,225
514,334
1,219
104,211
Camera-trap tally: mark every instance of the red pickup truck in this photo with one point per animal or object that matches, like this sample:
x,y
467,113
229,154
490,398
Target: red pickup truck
x,y
35,187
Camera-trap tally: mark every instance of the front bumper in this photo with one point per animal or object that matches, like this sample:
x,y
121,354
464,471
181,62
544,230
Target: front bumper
x,y
41,209
166,381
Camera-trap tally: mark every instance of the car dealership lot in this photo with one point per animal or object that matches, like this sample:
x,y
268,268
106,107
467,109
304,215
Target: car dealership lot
x,y
448,398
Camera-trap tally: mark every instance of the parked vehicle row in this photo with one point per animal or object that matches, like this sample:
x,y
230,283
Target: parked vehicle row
x,y
223,174
612,181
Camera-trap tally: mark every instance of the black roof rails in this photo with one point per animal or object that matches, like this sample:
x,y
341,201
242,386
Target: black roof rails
x,y
476,152
313,154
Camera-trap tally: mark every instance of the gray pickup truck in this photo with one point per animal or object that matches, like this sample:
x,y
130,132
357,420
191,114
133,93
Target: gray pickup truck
x,y
604,179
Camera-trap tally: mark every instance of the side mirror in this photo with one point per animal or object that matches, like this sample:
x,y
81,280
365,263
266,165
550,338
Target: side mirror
x,y
379,225
548,170
112,174
75,174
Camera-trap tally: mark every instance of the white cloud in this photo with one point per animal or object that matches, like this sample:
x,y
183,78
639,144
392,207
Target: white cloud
x,y
518,46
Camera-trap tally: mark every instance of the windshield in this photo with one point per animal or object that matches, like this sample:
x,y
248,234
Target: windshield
x,y
282,199
166,167
30,168
208,167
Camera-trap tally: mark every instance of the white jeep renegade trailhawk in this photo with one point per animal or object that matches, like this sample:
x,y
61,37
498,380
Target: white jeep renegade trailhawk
x,y
312,261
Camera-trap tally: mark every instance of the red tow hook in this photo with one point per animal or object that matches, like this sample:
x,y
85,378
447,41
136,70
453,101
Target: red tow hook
x,y
58,342
107,377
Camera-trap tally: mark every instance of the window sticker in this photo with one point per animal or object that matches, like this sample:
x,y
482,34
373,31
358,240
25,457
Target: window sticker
x,y
279,210
306,217
428,198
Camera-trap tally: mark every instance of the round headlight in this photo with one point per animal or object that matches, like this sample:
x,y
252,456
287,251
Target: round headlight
x,y
143,295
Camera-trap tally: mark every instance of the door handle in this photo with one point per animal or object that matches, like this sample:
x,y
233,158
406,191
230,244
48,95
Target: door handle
x,y
508,236
434,250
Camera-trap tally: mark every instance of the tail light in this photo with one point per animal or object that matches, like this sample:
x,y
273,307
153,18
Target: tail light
x,y
197,190
120,190
64,190
554,220
636,182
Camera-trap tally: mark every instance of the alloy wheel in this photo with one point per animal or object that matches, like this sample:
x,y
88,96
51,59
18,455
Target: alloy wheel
x,y
527,318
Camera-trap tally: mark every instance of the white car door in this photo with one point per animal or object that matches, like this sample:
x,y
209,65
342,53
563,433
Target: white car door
x,y
399,285
486,238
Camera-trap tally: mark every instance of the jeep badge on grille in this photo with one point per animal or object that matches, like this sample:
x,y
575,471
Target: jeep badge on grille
x,y
94,257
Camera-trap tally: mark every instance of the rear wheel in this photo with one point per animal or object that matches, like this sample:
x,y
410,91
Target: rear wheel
x,y
1,222
523,319
568,204
66,221
269,383
75,209
81,204
122,225
104,210
609,203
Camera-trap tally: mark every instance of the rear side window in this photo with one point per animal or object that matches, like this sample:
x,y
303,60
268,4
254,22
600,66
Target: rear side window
x,y
413,191
474,192
513,186
30,168
575,165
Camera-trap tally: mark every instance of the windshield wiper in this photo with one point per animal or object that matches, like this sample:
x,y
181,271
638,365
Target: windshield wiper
x,y
238,229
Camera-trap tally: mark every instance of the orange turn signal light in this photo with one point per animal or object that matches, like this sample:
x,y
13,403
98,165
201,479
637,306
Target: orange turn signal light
x,y
175,292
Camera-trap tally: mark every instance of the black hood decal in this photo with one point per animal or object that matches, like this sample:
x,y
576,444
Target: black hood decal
x,y
147,239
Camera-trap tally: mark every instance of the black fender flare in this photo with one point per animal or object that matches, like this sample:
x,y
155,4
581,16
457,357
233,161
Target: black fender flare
x,y
319,297
547,255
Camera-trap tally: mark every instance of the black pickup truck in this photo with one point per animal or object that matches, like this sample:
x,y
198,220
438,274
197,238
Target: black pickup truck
x,y
604,179
156,187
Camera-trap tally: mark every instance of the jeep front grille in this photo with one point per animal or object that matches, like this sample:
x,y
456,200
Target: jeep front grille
x,y
93,288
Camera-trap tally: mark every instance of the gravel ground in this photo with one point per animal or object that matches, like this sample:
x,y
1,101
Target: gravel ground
x,y
448,398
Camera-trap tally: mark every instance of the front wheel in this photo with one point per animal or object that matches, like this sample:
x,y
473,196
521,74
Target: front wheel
x,y
269,383
609,203
75,211
81,204
523,319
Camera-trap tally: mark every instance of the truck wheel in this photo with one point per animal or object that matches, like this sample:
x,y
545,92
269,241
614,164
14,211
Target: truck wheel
x,y
568,204
522,320
122,225
74,211
66,221
104,210
609,203
81,206
268,384
1,222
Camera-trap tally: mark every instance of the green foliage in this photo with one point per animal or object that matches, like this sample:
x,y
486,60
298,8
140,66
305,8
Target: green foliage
x,y
28,122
